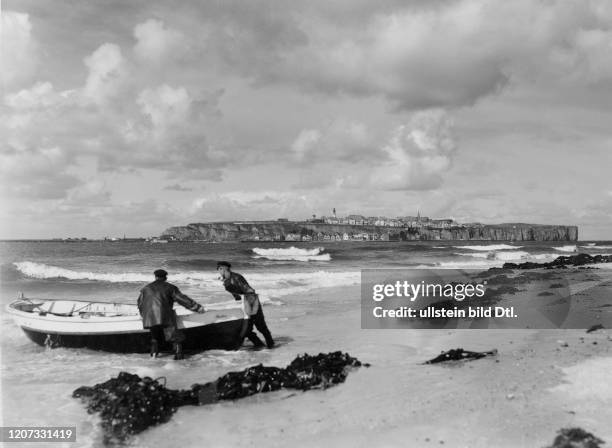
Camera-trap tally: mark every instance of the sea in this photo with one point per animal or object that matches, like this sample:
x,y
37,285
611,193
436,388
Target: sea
x,y
37,381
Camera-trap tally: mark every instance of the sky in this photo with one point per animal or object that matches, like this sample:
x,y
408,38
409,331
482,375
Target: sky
x,y
128,117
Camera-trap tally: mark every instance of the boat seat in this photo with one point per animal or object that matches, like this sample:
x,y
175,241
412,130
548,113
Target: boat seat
x,y
58,308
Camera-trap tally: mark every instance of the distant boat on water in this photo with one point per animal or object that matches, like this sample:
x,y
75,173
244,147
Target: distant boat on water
x,y
156,241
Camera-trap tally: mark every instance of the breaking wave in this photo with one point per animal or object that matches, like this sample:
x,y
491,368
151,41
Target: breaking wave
x,y
489,247
292,254
271,284
494,259
596,247
43,271
517,255
567,248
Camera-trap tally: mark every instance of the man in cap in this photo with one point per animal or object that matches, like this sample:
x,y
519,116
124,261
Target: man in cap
x,y
155,304
236,284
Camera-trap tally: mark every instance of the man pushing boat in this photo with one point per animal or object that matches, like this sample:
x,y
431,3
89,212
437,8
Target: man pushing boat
x,y
236,284
155,304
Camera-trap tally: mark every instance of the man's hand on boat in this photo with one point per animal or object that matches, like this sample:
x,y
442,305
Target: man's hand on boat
x,y
201,309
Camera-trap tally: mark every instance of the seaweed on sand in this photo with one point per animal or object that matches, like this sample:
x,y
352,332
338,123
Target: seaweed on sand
x,y
459,354
576,438
129,404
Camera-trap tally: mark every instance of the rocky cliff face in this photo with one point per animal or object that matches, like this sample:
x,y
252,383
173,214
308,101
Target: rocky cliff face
x,y
274,230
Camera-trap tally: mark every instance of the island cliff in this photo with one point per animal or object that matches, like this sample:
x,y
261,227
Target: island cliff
x,y
309,231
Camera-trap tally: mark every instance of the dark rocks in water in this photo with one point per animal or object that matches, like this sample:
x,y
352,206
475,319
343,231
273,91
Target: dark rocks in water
x,y
595,328
129,404
576,438
563,261
459,354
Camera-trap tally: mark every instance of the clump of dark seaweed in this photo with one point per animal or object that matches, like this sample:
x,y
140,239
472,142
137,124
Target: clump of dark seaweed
x,y
576,438
129,404
458,354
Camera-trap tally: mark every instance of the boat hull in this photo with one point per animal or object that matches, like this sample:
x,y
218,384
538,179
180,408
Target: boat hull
x,y
116,327
222,335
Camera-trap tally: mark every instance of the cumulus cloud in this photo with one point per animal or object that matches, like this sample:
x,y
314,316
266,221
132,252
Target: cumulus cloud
x,y
342,140
169,132
107,72
155,41
418,55
418,154
18,48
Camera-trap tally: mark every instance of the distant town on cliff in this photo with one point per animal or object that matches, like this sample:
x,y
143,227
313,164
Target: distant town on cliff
x,y
361,228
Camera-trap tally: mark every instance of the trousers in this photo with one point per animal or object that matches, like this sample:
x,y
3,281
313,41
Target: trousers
x,y
258,321
160,334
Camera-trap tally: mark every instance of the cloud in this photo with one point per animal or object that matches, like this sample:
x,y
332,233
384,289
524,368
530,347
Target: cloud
x,y
341,140
177,187
107,73
155,41
169,132
416,55
19,50
243,205
35,173
418,154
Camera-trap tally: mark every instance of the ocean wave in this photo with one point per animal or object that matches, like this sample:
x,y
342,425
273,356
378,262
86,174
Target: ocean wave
x,y
273,284
570,248
592,246
292,254
494,259
515,255
490,247
44,271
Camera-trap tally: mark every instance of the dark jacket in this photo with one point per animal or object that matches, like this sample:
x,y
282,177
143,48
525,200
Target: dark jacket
x,y
237,285
155,304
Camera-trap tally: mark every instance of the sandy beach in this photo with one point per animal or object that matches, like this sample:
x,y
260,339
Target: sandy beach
x,y
541,381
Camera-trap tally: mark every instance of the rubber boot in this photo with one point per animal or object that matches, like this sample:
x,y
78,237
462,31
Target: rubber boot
x,y
257,343
178,351
154,348
269,340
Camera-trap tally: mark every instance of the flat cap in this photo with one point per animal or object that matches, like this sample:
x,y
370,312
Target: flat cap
x,y
160,273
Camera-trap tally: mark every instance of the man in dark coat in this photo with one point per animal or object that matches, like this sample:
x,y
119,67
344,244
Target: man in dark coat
x,y
236,284
155,304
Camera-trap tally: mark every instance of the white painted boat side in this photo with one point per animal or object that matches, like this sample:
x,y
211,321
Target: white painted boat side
x,y
83,324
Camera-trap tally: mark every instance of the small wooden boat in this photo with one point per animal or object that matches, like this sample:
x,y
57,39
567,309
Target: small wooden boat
x,y
117,327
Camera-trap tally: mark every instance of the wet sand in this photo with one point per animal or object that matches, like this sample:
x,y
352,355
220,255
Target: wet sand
x,y
541,381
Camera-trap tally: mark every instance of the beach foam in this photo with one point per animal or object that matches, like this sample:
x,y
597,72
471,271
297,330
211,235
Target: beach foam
x,y
573,248
490,247
596,247
514,255
292,254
